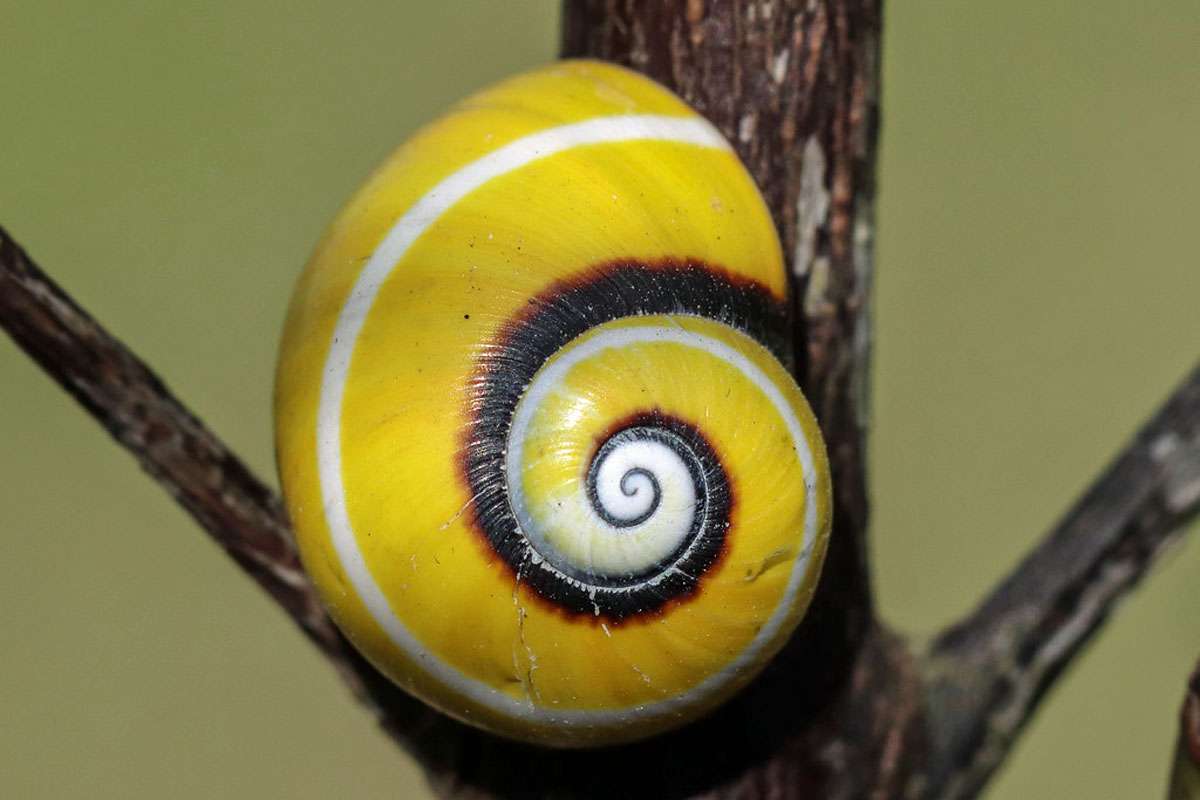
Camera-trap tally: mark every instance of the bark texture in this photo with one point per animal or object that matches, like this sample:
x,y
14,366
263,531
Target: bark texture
x,y
237,510
846,711
987,674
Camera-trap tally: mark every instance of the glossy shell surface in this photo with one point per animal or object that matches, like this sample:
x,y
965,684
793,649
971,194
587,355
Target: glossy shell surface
x,y
542,463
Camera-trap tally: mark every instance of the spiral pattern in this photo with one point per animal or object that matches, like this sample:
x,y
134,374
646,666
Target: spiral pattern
x,y
543,464
647,519
625,481
636,509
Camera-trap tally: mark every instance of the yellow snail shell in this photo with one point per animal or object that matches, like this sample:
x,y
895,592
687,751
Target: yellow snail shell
x,y
542,464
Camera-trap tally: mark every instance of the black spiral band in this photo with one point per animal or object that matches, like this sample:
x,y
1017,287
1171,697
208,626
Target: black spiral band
x,y
551,321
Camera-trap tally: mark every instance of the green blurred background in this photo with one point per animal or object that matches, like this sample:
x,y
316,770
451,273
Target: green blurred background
x,y
171,164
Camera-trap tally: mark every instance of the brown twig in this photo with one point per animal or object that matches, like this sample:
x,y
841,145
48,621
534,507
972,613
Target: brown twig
x,y
238,511
129,400
987,674
172,445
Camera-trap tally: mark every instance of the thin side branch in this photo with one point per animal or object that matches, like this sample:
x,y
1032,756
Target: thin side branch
x,y
130,401
237,510
987,674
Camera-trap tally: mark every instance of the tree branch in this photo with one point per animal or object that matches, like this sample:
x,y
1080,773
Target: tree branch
x,y
988,673
168,441
794,86
238,511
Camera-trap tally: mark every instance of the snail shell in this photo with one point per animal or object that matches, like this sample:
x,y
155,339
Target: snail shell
x,y
542,464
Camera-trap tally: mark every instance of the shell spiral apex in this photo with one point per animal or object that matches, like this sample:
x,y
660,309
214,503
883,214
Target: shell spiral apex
x,y
544,466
